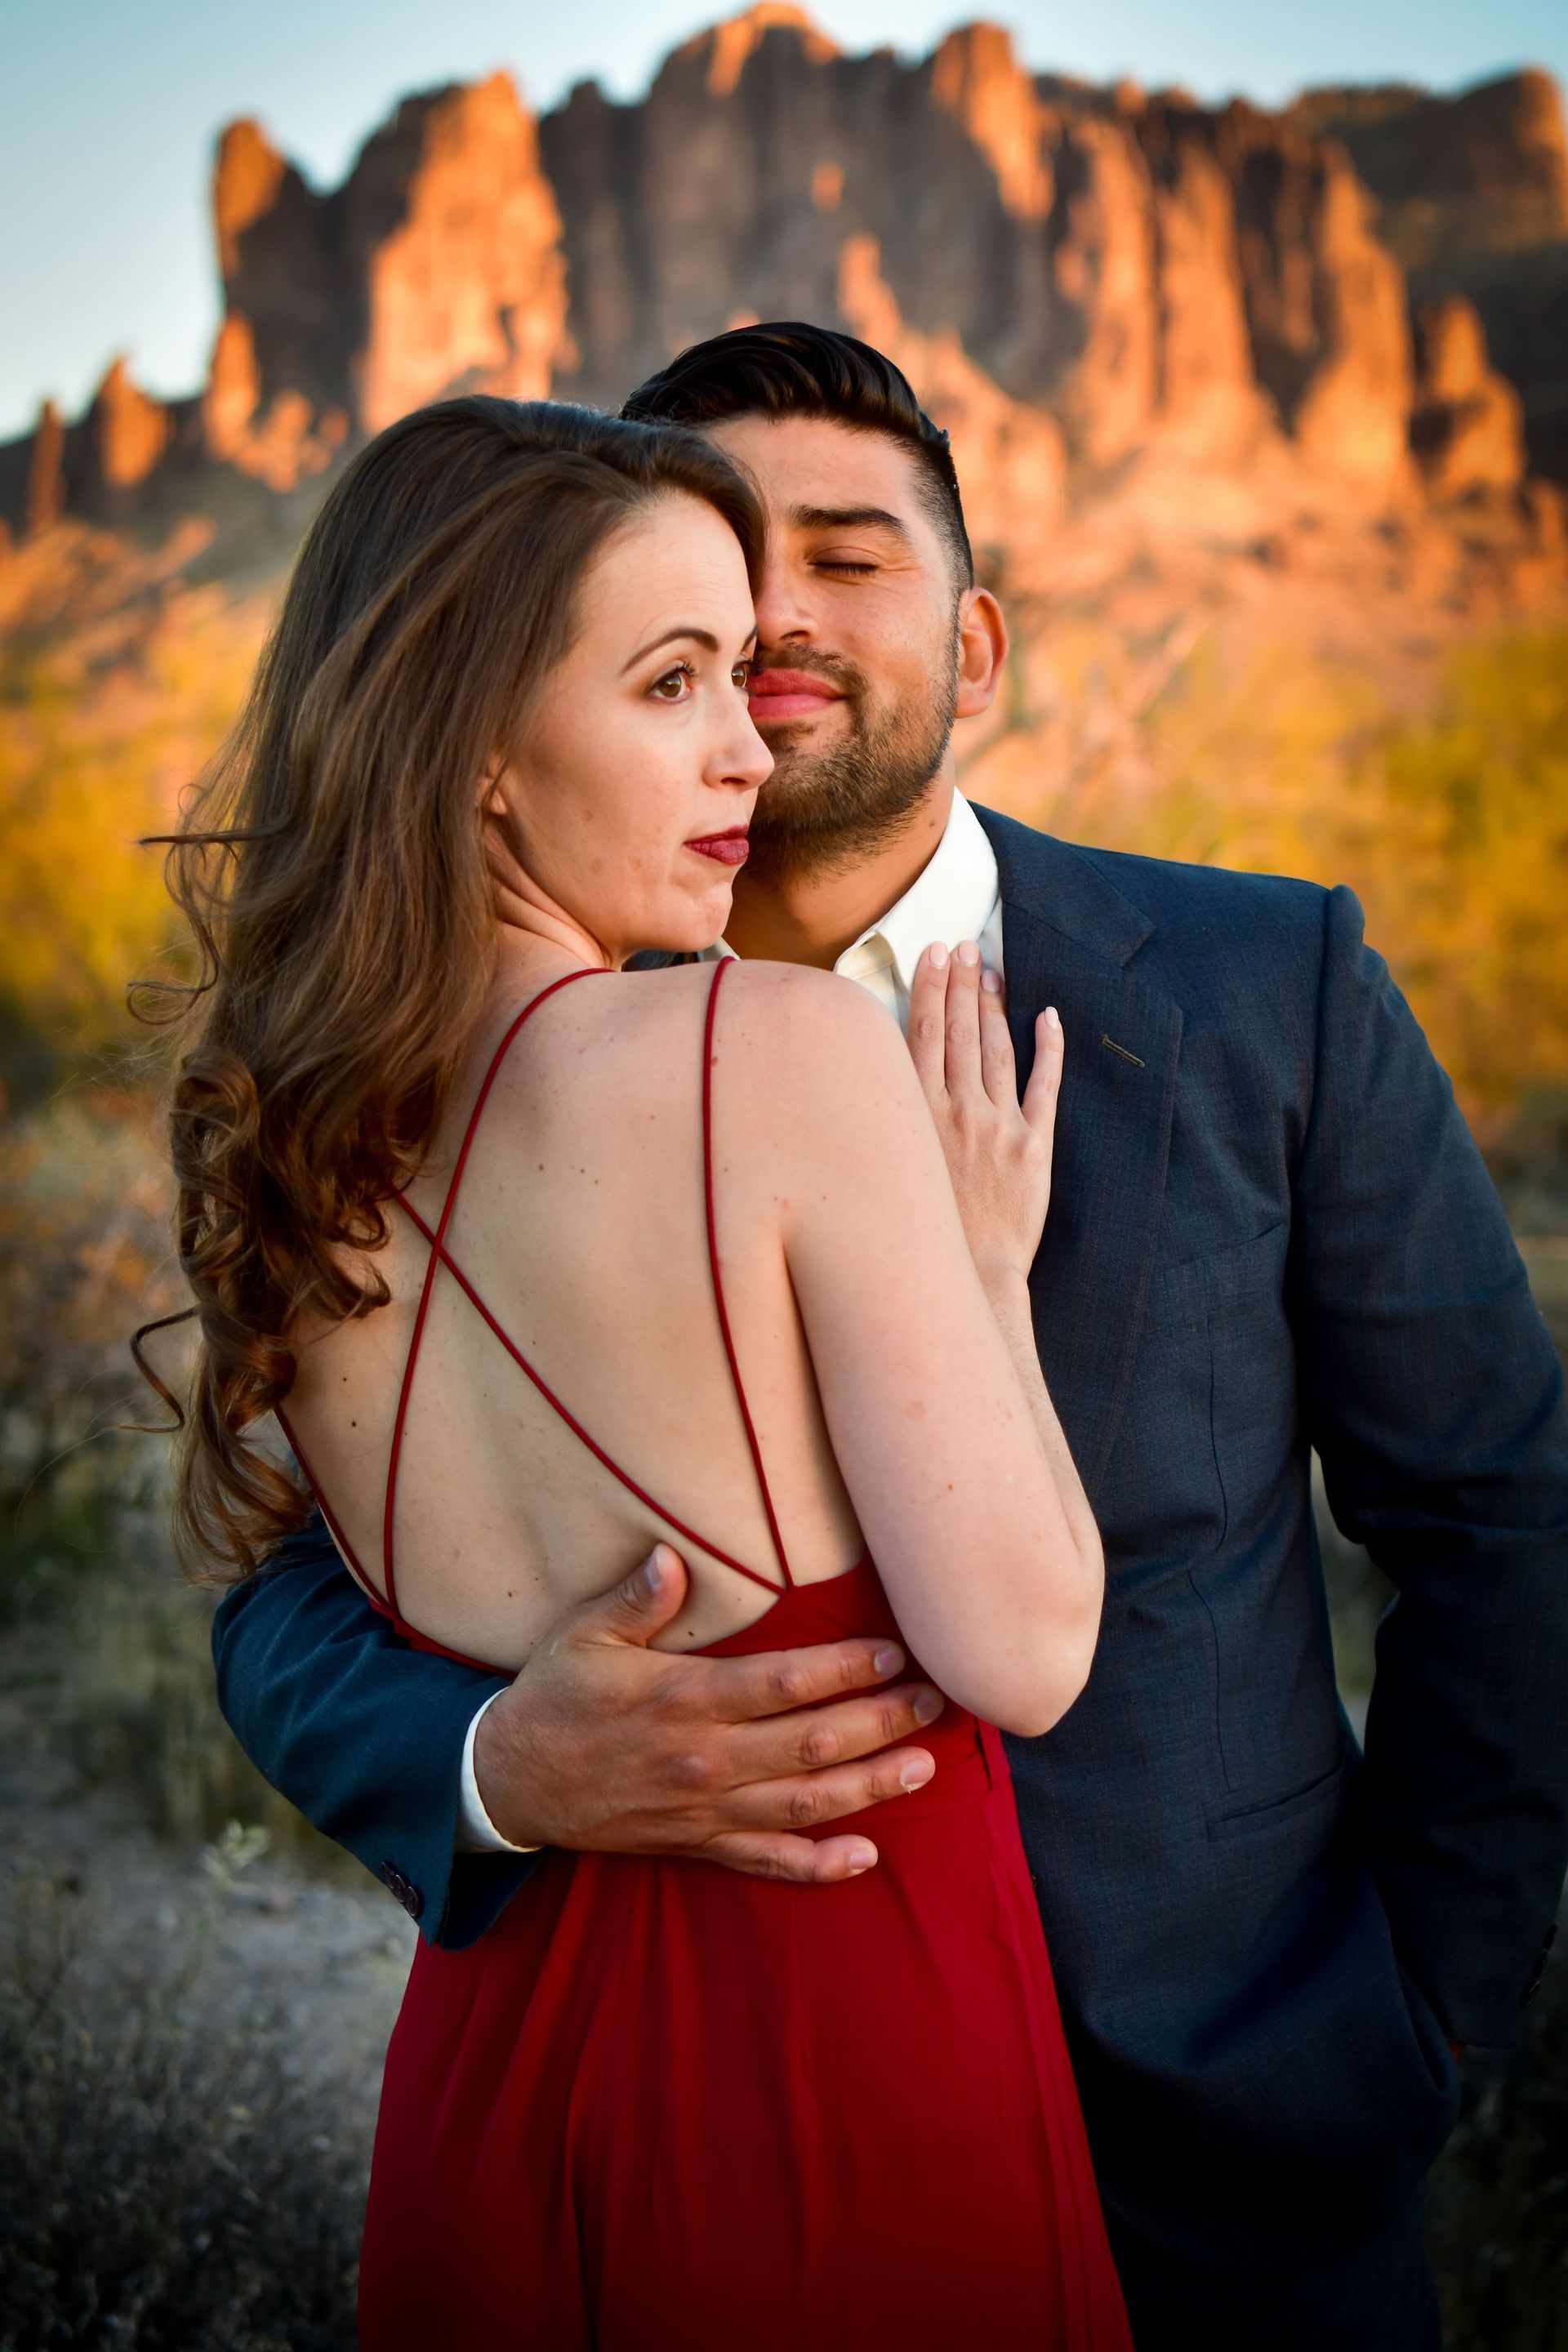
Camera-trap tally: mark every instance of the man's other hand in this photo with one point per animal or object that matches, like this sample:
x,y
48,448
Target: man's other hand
x,y
604,1745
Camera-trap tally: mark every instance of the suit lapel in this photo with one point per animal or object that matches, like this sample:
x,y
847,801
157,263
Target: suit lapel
x,y
1067,937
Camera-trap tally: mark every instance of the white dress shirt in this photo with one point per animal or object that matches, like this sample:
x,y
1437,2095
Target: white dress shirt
x,y
955,896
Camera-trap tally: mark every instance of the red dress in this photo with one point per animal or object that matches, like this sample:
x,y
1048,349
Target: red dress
x,y
662,2107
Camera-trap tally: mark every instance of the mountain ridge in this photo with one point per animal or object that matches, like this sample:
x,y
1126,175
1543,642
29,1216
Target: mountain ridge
x,y
1127,270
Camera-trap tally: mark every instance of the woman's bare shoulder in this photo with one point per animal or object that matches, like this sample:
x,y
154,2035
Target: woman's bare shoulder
x,y
789,1009
791,1042
796,1006
815,1062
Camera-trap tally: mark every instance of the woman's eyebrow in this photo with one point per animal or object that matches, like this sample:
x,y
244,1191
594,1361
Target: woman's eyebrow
x,y
702,637
847,518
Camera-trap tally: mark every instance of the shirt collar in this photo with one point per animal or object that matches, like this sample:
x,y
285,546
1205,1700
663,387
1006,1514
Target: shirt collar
x,y
952,897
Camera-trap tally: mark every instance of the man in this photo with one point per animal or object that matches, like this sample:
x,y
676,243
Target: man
x,y
1270,1231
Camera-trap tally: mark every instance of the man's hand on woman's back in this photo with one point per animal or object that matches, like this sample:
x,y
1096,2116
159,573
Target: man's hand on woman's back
x,y
603,1744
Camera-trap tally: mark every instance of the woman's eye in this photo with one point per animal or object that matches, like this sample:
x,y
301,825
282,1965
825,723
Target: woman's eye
x,y
741,676
671,686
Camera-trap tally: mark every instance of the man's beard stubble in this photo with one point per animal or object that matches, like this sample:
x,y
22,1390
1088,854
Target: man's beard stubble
x,y
822,811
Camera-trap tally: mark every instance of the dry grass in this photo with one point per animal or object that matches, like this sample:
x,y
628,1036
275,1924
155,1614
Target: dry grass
x,y
1499,2203
165,2184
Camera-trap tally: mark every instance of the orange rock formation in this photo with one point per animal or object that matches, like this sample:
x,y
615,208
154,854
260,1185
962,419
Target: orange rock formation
x,y
1076,277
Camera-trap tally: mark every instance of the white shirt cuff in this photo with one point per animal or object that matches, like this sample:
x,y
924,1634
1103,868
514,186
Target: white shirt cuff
x,y
477,1833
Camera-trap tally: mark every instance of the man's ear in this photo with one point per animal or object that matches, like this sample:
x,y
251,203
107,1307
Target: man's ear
x,y
982,651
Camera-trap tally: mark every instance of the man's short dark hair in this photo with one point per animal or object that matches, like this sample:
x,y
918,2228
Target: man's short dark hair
x,y
788,368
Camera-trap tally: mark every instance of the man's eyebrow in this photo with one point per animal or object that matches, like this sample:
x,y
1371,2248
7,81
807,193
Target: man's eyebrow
x,y
847,518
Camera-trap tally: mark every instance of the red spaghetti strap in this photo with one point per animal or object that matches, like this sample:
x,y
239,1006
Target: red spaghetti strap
x,y
584,972
350,1557
351,1561
718,970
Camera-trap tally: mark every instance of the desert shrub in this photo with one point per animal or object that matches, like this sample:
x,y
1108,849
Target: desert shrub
x,y
136,1706
1500,2202
1529,1158
1467,853
1546,1261
85,1256
81,906
86,1563
118,1645
166,2184
1449,823
96,746
121,1643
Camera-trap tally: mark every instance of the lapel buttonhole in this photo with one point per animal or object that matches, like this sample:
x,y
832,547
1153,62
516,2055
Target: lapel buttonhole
x,y
1126,1056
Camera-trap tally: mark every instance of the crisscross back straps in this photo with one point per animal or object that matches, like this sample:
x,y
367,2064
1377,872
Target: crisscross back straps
x,y
441,1255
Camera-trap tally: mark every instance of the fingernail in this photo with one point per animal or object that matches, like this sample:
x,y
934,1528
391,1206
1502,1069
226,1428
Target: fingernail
x,y
887,1660
653,1569
915,1773
968,952
991,982
927,1708
937,955
1053,1017
861,1859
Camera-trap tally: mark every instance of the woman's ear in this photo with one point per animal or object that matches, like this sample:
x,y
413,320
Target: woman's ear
x,y
982,651
493,799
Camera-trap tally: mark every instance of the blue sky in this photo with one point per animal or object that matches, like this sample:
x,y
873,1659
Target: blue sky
x,y
108,113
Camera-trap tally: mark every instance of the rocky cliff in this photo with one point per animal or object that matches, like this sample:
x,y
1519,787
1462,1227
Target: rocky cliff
x,y
1074,276
1471,196
1131,266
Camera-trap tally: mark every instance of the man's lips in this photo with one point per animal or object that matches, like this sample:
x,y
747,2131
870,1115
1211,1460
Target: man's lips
x,y
781,694
730,848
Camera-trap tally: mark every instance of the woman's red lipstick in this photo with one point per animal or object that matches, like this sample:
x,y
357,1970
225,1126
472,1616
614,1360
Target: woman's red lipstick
x,y
730,848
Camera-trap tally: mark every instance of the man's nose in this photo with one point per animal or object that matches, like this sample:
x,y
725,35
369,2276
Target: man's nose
x,y
783,604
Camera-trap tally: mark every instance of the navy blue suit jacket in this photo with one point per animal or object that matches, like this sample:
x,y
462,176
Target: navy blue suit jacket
x,y
1270,1231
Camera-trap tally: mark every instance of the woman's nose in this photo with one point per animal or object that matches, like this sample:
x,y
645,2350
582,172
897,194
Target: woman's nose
x,y
749,761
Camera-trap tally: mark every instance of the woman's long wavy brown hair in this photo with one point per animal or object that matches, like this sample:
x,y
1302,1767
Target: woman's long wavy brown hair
x,y
331,866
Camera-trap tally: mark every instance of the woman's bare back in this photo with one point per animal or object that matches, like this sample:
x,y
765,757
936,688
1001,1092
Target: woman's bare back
x,y
580,1222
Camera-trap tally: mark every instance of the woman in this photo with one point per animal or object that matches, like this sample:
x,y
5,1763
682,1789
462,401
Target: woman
x,y
532,1272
